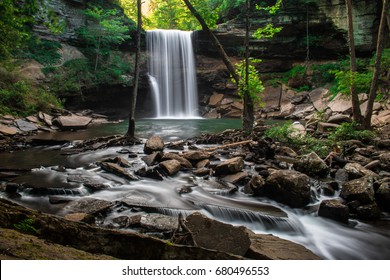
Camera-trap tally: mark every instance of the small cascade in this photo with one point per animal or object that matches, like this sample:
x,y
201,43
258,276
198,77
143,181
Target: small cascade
x,y
172,73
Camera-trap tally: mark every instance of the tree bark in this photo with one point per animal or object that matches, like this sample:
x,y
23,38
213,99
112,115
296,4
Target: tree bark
x,y
131,128
377,67
357,115
248,116
230,67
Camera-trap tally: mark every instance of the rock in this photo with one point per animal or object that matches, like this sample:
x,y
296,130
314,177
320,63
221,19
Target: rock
x,y
72,122
153,144
269,247
80,217
153,173
171,167
289,187
8,130
359,189
355,170
88,205
341,104
202,172
325,127
311,164
255,186
229,166
298,130
287,109
372,165
47,119
339,119
196,156
158,222
216,99
202,163
318,98
368,212
334,209
382,196
384,159
153,158
211,234
183,161
32,119
235,178
118,170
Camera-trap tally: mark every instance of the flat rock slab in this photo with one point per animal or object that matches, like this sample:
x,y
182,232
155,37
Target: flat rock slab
x,y
89,205
8,130
73,122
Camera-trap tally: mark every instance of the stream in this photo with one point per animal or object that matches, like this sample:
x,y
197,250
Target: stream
x,y
51,170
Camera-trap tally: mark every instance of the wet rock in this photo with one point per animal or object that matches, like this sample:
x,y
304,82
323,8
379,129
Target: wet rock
x,y
215,235
72,122
355,170
358,189
341,176
153,144
196,156
384,159
150,172
153,158
80,217
229,166
312,164
56,199
184,162
382,196
158,222
368,212
171,167
289,187
269,247
203,163
89,205
11,188
255,186
235,178
118,170
202,172
334,209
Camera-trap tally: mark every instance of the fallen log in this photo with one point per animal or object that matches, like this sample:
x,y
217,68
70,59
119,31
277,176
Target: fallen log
x,y
229,145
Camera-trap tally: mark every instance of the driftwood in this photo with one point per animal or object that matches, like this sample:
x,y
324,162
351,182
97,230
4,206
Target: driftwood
x,y
183,235
229,145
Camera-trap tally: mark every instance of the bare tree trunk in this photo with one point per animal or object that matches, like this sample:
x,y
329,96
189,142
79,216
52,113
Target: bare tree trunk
x,y
248,116
131,128
214,40
357,115
377,67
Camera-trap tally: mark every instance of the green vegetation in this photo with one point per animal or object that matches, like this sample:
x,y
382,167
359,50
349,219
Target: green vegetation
x,y
43,51
26,226
351,131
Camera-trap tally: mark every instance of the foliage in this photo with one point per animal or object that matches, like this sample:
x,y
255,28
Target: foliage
x,y
351,131
19,96
173,14
267,31
323,73
255,86
43,51
26,226
344,80
287,134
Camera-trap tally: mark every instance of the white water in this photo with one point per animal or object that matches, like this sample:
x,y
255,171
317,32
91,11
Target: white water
x,y
172,73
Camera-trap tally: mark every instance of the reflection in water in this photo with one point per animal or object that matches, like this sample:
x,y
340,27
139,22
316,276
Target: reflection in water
x,y
326,238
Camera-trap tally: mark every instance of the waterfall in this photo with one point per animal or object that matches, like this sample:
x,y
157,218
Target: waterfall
x,y
172,73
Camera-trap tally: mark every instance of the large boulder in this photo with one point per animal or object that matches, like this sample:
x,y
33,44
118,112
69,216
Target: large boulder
x,y
229,166
211,234
382,196
311,164
341,104
334,209
355,170
196,156
289,187
170,167
318,98
184,162
153,144
360,189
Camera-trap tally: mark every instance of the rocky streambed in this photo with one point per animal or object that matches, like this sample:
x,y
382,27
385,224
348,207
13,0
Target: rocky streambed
x,y
243,187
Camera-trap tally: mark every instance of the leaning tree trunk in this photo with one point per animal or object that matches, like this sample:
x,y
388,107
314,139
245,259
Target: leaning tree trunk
x,y
377,66
214,40
357,115
131,129
248,114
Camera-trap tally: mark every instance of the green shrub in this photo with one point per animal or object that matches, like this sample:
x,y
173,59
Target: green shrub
x,y
26,226
43,51
351,131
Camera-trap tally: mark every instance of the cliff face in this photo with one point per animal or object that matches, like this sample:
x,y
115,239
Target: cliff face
x,y
324,24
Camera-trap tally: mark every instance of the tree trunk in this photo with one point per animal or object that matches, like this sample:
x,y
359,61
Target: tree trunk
x,y
214,40
131,129
357,115
377,67
248,116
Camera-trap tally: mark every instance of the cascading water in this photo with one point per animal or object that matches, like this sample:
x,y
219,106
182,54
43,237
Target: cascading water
x,y
172,73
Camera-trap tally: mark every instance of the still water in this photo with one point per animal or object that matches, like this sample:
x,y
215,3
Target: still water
x,y
51,170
